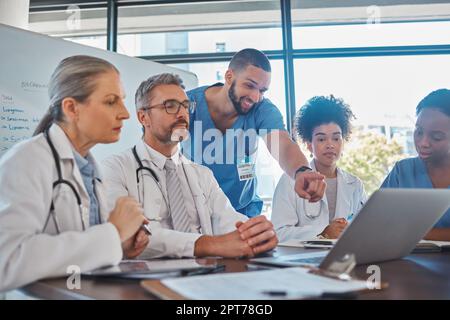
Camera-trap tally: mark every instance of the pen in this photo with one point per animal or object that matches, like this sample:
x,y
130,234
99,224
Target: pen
x,y
146,228
323,242
351,215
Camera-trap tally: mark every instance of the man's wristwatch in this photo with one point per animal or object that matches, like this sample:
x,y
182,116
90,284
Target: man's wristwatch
x,y
302,169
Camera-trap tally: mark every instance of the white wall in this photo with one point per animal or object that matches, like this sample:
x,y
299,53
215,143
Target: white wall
x,y
15,13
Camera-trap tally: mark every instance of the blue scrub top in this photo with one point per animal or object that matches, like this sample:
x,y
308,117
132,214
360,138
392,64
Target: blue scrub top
x,y
222,153
412,173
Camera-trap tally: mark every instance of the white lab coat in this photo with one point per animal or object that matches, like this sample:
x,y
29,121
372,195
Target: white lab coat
x,y
215,212
288,214
29,253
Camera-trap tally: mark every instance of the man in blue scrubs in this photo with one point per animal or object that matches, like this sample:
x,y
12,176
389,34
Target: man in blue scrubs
x,y
431,169
225,126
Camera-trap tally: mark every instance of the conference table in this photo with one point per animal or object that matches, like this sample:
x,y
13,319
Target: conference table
x,y
416,276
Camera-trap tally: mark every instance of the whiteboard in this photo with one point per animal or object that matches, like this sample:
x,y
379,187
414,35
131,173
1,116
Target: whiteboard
x,y
28,59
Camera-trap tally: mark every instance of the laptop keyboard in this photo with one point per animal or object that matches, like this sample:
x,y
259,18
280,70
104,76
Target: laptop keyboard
x,y
315,260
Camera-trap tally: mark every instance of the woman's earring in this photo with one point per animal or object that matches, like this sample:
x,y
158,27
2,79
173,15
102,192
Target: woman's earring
x,y
311,155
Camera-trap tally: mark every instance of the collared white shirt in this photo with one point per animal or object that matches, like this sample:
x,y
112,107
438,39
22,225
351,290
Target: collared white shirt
x,y
214,212
159,160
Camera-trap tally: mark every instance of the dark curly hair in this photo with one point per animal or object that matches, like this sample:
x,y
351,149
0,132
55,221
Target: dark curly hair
x,y
322,110
439,99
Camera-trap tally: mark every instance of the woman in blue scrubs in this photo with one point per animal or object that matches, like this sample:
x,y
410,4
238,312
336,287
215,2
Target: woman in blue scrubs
x,y
431,169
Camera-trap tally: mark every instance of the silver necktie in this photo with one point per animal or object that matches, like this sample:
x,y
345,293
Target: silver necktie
x,y
180,219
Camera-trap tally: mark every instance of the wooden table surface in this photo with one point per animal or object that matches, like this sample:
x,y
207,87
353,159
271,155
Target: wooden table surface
x,y
417,276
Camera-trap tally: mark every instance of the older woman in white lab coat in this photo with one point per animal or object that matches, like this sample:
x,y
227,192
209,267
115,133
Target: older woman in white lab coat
x,y
323,123
46,228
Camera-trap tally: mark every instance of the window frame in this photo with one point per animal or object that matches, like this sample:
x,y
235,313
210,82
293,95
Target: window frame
x,y
288,54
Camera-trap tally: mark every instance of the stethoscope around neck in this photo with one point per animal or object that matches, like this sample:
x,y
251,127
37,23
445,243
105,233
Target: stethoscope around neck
x,y
61,181
312,210
155,178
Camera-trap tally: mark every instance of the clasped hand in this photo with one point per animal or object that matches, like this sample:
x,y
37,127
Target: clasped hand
x,y
258,234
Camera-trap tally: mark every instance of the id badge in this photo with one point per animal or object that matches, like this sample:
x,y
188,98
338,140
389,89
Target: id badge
x,y
246,169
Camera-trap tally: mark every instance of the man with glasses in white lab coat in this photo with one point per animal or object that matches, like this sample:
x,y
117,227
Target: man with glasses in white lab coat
x,y
189,213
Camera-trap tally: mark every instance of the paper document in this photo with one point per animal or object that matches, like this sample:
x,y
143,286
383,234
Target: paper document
x,y
329,243
441,244
428,246
286,283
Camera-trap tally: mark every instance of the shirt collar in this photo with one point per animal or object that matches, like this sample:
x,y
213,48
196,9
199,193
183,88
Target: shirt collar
x,y
217,84
86,164
159,159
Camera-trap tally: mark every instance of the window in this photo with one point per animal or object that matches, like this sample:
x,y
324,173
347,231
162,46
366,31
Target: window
x,y
383,93
84,26
206,27
369,23
382,89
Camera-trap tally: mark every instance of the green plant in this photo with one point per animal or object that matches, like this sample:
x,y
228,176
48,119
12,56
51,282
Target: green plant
x,y
370,156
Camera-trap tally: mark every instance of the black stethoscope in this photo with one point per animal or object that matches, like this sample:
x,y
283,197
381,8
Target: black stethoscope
x,y
155,178
61,181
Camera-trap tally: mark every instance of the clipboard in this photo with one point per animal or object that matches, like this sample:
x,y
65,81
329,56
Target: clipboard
x,y
353,288
159,290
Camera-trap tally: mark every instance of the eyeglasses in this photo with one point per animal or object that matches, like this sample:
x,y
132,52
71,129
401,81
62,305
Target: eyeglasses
x,y
173,106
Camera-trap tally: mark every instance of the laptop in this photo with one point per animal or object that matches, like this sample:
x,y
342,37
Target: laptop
x,y
388,227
